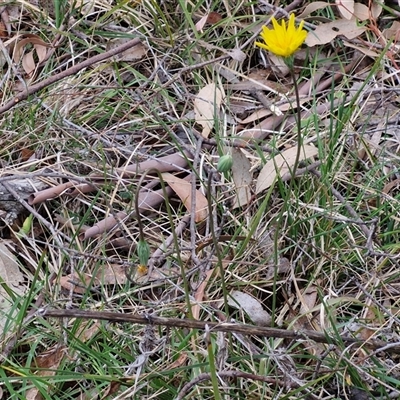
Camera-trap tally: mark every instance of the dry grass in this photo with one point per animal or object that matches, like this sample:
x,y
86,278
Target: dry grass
x,y
315,253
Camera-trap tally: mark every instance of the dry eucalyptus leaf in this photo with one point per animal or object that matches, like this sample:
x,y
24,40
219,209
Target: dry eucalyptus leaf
x,y
281,164
393,32
345,8
242,178
361,12
112,274
200,23
9,270
325,33
12,276
28,63
34,40
362,49
78,283
278,65
376,8
133,54
206,107
46,364
256,115
237,55
308,299
251,306
6,28
184,190
211,18
312,7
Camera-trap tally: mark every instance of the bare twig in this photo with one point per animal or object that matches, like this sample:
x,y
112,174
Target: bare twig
x,y
246,329
68,72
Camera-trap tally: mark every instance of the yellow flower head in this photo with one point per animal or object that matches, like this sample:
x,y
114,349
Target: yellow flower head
x,y
283,40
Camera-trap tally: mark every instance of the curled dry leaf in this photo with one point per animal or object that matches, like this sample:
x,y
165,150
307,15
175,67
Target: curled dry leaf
x,y
28,61
172,162
199,295
206,107
184,190
148,199
281,164
48,194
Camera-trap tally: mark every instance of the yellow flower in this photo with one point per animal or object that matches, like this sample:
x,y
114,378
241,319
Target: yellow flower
x,y
283,41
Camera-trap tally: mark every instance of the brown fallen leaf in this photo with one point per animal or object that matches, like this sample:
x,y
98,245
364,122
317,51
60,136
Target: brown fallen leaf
x,y
133,54
206,107
148,199
325,33
393,32
312,7
46,365
199,295
211,19
112,274
183,189
251,306
78,283
345,8
282,164
242,177
13,279
28,61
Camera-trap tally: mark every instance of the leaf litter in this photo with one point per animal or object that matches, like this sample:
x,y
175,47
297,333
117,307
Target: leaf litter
x,y
96,134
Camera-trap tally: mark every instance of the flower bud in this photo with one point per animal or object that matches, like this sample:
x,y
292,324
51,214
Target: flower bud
x,y
143,252
225,163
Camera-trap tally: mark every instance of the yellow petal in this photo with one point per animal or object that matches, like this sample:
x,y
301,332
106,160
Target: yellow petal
x,y
284,39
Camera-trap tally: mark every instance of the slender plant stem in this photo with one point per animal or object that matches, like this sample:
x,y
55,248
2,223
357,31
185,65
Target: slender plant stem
x,y
298,123
289,63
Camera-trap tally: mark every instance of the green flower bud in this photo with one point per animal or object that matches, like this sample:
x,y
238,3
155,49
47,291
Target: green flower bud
x,y
26,226
143,252
225,163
